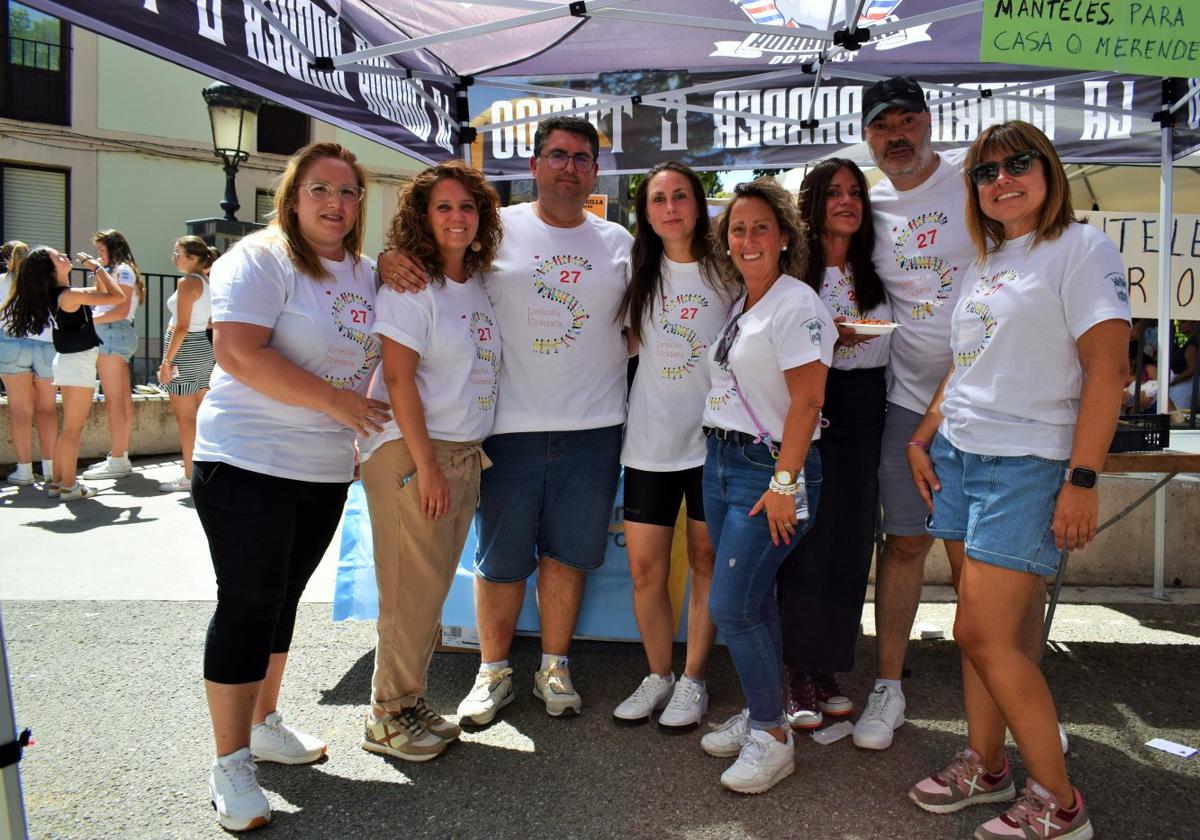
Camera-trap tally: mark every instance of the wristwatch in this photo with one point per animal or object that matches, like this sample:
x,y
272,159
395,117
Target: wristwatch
x,y
1082,477
784,478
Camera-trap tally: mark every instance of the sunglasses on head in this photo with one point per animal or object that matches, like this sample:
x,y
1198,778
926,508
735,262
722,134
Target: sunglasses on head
x,y
1015,165
725,343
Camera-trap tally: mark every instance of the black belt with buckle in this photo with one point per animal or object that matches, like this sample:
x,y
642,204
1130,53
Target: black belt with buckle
x,y
740,438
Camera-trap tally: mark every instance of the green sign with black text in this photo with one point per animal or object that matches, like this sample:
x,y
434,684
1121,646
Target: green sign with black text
x,y
1129,36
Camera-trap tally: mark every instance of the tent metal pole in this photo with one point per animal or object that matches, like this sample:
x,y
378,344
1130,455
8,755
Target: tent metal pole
x,y
1165,333
12,809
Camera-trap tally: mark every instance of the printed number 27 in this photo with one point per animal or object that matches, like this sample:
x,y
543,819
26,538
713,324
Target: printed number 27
x,y
689,313
569,276
485,333
925,240
358,316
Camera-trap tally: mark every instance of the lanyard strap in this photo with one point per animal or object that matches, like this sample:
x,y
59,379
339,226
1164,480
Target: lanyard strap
x,y
764,436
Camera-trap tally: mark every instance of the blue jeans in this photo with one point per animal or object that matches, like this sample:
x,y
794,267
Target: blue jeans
x,y
742,599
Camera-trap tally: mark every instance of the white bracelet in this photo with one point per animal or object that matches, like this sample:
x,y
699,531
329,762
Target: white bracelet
x,y
783,489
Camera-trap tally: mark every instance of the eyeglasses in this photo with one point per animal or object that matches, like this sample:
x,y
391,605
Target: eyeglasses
x,y
321,191
1015,165
558,160
725,342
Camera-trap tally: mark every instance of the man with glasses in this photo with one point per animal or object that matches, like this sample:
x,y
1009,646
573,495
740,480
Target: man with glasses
x,y
922,249
546,502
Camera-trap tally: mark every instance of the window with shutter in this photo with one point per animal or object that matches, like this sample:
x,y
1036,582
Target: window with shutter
x,y
34,206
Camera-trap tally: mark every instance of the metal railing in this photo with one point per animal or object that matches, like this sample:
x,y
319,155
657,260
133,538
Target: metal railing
x,y
36,55
150,320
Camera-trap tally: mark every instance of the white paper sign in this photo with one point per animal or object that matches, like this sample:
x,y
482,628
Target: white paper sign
x,y
1171,747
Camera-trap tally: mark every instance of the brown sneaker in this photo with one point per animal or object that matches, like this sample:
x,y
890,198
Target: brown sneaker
x,y
965,782
1038,816
401,735
435,723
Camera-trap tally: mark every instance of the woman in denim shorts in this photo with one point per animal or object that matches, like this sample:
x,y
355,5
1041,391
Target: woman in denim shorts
x,y
114,325
762,476
26,366
1006,458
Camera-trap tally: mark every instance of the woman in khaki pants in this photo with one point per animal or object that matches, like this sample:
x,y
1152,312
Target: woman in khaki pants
x,y
441,362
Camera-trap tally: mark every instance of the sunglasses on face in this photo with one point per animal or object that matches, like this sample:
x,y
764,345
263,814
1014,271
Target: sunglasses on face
x,y
1015,165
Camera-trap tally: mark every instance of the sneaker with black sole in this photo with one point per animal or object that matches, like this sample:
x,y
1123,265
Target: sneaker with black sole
x,y
552,685
726,739
883,715
275,741
963,783
652,694
830,699
762,763
493,690
801,702
401,735
233,790
435,723
686,708
1037,814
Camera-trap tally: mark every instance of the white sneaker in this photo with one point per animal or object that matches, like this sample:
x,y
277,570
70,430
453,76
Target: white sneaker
x,y
493,690
1062,739
883,715
111,467
233,789
762,763
689,704
21,478
273,740
183,484
75,492
553,687
647,698
726,740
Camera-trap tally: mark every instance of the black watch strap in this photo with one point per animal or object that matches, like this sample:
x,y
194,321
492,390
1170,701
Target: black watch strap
x,y
1082,477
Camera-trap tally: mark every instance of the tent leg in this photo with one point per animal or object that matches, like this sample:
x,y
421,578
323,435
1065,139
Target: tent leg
x,y
12,810
1165,333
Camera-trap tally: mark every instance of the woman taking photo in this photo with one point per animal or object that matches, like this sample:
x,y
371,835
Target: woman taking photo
x,y
114,325
187,359
292,311
42,296
762,477
675,305
823,583
26,366
440,366
1007,456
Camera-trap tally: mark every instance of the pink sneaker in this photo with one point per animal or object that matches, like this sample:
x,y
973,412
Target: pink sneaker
x,y
965,782
1038,816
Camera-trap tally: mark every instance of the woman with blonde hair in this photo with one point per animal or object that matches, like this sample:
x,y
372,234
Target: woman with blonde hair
x,y
1006,458
440,369
119,341
187,360
292,310
26,366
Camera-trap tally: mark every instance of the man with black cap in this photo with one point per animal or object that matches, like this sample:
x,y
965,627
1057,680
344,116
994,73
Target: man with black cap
x,y
922,249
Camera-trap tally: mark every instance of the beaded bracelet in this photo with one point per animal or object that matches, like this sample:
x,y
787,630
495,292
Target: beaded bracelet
x,y
920,444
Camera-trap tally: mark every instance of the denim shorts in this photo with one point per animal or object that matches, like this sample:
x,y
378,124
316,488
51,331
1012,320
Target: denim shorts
x,y
26,355
119,337
547,494
1000,506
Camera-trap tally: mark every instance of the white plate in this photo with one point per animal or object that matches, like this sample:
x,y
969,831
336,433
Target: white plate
x,y
869,329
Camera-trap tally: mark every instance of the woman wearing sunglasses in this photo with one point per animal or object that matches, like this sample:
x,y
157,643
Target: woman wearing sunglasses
x,y
762,477
1006,458
292,309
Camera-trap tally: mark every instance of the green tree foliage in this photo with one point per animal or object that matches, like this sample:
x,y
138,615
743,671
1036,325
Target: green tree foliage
x,y
710,180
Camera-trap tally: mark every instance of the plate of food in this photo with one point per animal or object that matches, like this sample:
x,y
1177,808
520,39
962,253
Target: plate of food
x,y
870,326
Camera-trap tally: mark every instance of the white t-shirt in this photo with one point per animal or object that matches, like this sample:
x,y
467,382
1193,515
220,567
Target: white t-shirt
x,y
1017,377
666,403
5,290
837,292
453,328
201,308
922,248
124,275
323,327
787,328
556,293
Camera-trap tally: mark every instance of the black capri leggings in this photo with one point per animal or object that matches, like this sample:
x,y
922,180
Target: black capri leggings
x,y
266,536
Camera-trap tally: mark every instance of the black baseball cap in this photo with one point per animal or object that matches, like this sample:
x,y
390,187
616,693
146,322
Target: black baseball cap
x,y
896,92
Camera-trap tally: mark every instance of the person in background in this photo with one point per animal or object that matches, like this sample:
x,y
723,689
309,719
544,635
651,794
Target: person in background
x,y
42,296
674,307
293,307
27,368
823,583
1181,389
762,476
114,325
1006,459
187,360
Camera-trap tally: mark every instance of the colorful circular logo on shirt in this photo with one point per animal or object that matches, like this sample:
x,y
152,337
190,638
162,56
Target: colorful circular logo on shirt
x,y
359,311
686,307
940,266
552,280
973,332
482,330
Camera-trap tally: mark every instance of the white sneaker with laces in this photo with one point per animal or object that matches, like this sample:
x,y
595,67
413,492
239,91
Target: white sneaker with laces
x,y
273,740
183,484
726,740
762,763
689,704
553,687
647,698
493,690
74,493
111,467
883,715
21,477
233,790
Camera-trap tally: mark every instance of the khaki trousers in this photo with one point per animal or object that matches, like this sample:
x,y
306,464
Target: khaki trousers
x,y
415,559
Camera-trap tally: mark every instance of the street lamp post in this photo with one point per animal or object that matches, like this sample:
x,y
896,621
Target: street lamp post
x,y
233,113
